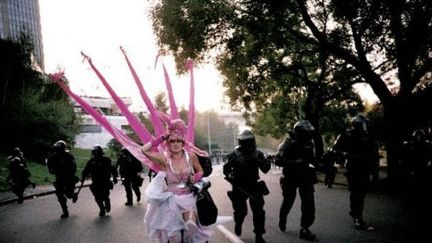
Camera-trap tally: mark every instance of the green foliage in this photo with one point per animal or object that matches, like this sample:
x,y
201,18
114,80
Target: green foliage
x,y
161,102
114,148
39,172
34,112
222,136
4,172
270,75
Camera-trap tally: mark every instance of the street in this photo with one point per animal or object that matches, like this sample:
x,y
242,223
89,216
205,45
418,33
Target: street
x,y
38,220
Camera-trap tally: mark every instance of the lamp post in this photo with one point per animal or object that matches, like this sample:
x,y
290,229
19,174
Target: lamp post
x,y
208,133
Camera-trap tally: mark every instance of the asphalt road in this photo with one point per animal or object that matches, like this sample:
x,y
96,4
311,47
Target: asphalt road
x,y
38,220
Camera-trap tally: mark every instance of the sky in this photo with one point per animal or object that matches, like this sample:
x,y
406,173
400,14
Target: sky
x,y
99,28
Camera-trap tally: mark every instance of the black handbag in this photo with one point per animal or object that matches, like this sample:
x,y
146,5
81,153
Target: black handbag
x,y
262,186
207,210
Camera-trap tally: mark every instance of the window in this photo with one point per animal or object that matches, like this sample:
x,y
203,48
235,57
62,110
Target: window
x,y
90,129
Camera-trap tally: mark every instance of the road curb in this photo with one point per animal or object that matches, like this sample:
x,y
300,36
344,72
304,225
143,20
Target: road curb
x,y
33,195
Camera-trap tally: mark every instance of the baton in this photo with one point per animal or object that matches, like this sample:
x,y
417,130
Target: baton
x,y
240,189
75,198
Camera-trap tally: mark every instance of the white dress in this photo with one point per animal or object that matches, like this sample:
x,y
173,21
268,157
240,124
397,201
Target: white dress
x,y
166,204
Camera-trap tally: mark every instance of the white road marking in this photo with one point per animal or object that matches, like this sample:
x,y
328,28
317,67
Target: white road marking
x,y
229,235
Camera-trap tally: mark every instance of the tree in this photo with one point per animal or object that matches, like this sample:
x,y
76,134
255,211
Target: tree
x,y
386,44
222,135
268,71
34,113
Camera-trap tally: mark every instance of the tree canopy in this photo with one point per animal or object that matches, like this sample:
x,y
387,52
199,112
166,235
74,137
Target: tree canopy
x,y
270,75
274,51
34,113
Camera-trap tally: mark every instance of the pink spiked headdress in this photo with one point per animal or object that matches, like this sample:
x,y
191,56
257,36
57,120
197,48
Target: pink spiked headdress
x,y
177,129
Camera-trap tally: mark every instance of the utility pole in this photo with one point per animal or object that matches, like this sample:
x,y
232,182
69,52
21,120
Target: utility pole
x,y
208,133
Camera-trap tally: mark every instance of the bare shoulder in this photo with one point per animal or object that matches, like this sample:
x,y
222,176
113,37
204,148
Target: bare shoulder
x,y
193,156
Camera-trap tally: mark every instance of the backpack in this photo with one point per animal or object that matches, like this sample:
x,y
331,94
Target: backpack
x,y
206,165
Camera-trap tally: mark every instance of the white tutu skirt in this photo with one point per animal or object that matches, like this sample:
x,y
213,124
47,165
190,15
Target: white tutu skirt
x,y
164,216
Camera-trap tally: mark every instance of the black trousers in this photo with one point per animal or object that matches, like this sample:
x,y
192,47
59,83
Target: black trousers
x,y
64,190
132,184
306,191
256,203
18,188
358,185
101,194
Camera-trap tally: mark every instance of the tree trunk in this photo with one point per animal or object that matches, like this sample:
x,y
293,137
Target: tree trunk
x,y
399,124
314,106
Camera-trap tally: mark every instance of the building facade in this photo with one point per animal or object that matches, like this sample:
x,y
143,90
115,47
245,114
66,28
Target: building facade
x,y
19,17
91,132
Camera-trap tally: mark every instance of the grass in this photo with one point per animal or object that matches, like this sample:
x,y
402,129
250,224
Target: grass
x,y
39,172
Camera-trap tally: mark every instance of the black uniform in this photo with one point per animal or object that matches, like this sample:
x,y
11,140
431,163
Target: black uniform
x,y
100,169
417,159
362,156
328,161
130,169
62,164
18,174
297,157
241,170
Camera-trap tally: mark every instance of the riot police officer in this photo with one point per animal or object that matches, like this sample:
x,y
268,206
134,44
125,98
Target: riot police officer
x,y
62,164
362,157
130,172
417,159
241,170
100,169
18,174
328,161
297,157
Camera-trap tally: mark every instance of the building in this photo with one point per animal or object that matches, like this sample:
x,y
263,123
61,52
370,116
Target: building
x,y
91,132
235,118
22,16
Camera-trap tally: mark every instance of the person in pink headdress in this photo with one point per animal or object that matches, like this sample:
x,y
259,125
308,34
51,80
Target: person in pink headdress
x,y
171,214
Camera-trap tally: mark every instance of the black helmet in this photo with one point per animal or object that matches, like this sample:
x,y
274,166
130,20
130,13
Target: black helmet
x,y
124,151
303,130
97,150
245,135
359,122
16,151
60,145
419,136
246,140
303,126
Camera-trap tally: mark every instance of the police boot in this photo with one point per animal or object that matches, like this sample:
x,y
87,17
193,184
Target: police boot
x,y
360,224
102,213
107,205
65,211
259,239
101,207
306,234
75,197
238,228
282,224
64,215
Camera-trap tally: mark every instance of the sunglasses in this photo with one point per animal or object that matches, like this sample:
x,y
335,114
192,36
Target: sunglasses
x,y
175,141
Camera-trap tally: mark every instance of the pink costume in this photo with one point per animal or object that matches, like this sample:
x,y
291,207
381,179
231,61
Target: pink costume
x,y
166,203
168,198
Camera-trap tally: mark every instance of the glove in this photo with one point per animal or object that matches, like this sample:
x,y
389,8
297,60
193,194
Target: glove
x,y
156,141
